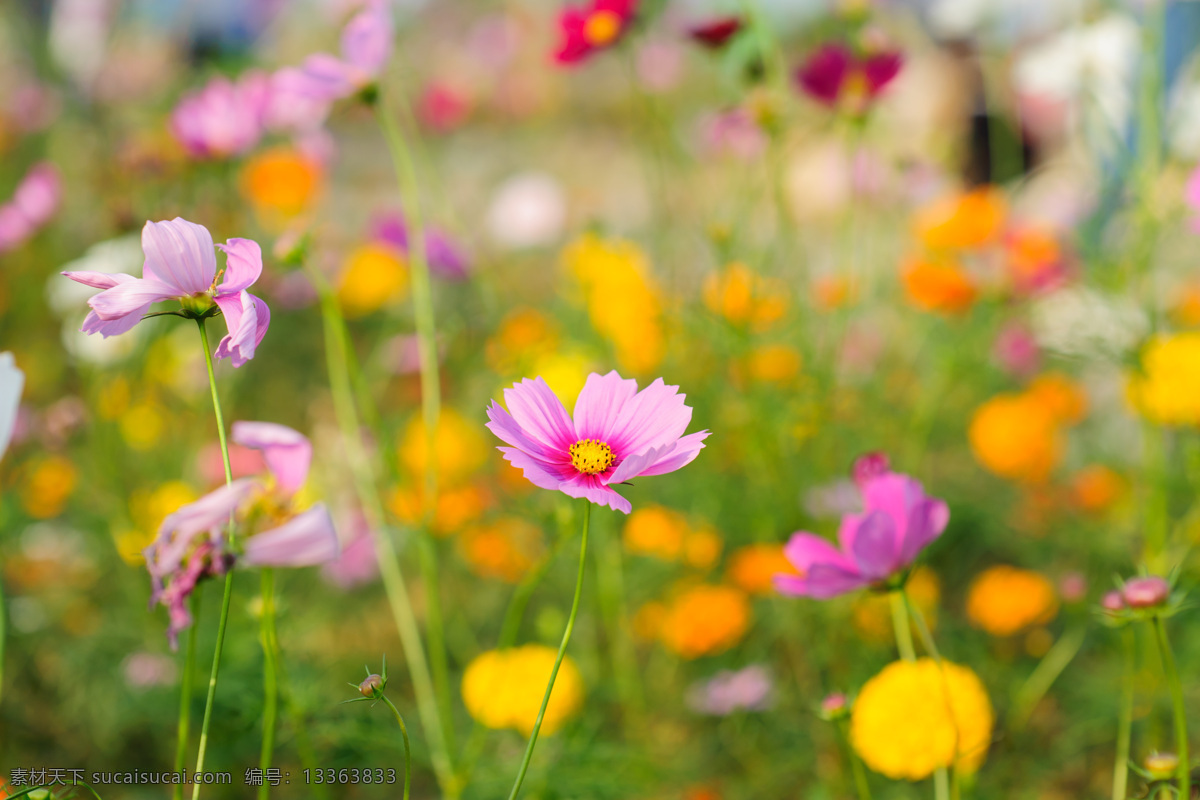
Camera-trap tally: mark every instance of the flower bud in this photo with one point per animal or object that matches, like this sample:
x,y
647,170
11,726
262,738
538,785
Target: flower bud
x,y
835,706
372,687
1146,592
1112,602
1161,766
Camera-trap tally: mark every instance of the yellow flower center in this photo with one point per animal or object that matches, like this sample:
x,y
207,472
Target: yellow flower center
x,y
591,456
601,28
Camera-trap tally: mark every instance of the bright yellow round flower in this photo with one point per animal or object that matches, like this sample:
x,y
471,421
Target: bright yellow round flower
x,y
1003,600
372,277
504,688
916,716
704,620
1168,389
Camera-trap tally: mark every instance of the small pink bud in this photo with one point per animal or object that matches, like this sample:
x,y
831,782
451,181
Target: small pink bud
x,y
372,687
1146,592
869,466
835,706
1112,602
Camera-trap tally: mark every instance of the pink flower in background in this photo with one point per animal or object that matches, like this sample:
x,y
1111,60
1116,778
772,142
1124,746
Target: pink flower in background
x,y
898,521
1017,350
192,545
146,670
357,563
835,74
33,204
181,264
443,108
747,689
445,259
588,29
225,118
617,434
715,33
733,133
366,48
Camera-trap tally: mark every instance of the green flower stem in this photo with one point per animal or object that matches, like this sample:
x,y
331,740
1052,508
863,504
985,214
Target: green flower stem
x,y
904,640
902,609
431,401
922,628
610,586
1047,671
270,646
228,594
562,650
185,693
1125,719
337,345
856,766
1181,737
941,784
407,747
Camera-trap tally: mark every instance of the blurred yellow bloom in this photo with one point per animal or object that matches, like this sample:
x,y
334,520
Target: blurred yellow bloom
x,y
522,335
1003,600
148,508
744,297
143,425
703,620
457,506
655,531
460,447
504,688
1016,436
564,371
372,277
872,612
48,484
939,286
648,620
1062,397
280,182
753,568
1095,488
1186,308
774,363
1167,390
505,548
916,716
962,221
702,547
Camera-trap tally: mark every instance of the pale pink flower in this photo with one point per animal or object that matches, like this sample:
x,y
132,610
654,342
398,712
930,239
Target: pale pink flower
x,y
33,204
225,118
366,47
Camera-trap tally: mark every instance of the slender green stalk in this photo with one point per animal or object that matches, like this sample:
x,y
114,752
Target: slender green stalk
x,y
941,784
1046,673
431,402
185,692
407,747
1124,720
611,590
1181,737
228,594
922,628
904,641
856,767
336,348
902,609
562,650
270,646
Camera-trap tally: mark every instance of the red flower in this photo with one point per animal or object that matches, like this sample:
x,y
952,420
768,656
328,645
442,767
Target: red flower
x,y
715,33
591,28
835,74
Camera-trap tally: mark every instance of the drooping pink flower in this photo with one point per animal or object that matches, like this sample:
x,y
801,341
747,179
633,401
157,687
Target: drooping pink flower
x,y
616,434
445,258
181,264
897,522
225,118
587,29
715,33
366,47
33,204
835,75
192,545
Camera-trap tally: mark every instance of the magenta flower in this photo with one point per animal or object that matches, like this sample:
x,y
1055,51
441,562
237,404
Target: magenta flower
x,y
33,204
445,259
835,74
192,545
181,264
715,33
224,118
617,434
898,521
366,48
587,29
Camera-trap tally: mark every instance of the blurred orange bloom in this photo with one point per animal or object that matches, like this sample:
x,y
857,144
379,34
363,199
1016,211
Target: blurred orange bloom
x,y
753,568
280,181
372,276
831,292
1003,600
939,286
744,297
702,547
705,619
774,363
1062,397
1016,436
49,483
1095,488
503,549
962,221
655,531
460,447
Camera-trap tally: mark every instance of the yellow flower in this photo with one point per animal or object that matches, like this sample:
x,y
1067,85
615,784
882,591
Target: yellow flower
x,y
280,182
1168,389
47,486
702,547
655,531
1003,600
523,334
872,613
372,277
743,297
461,449
916,716
775,363
753,568
143,425
113,398
503,549
504,688
564,371
703,620
1016,436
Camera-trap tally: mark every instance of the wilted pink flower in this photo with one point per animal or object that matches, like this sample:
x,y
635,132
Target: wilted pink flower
x,y
445,259
366,47
225,118
1145,592
715,33
899,521
33,204
588,29
617,434
181,264
191,543
835,75
747,689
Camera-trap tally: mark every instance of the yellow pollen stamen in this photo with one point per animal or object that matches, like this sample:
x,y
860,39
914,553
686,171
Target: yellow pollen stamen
x,y
601,28
591,456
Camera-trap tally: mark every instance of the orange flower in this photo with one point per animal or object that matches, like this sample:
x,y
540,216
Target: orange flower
x,y
753,568
956,222
373,276
1061,396
831,292
743,297
280,181
1003,600
702,548
704,620
1016,436
655,531
48,485
1096,488
774,363
524,334
1033,258
938,286
504,549
456,507
1186,309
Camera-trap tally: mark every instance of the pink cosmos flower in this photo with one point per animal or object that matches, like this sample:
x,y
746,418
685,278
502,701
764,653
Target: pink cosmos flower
x,y
33,204
617,434
224,118
835,74
366,47
192,545
747,689
181,264
586,30
897,522
445,258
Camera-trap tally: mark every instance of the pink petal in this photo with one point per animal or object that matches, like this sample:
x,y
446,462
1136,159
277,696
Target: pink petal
x,y
874,544
241,317
92,323
805,550
99,280
243,265
600,404
652,418
206,515
926,522
288,452
894,494
305,540
880,70
589,487
540,473
685,451
180,254
328,78
367,38
823,582
540,413
636,465
130,296
501,423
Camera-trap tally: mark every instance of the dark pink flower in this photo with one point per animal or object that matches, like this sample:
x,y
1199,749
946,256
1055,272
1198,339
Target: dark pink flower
x,y
617,434
898,522
224,118
588,29
835,75
443,108
715,33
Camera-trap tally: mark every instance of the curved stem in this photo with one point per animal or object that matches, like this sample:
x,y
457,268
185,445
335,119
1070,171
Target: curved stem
x,y
860,775
224,619
407,748
941,780
1046,673
270,677
1181,738
562,650
1125,720
185,693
